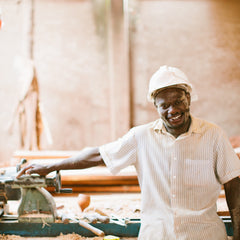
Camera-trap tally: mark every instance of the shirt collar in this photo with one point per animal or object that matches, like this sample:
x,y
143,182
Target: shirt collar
x,y
194,127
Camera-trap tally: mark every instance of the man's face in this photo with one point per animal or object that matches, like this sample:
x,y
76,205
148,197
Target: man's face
x,y
173,107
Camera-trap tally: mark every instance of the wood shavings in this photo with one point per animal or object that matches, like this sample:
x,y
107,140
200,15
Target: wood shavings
x,y
36,215
76,237
10,237
60,237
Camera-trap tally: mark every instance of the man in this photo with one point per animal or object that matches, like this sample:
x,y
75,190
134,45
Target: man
x,y
181,163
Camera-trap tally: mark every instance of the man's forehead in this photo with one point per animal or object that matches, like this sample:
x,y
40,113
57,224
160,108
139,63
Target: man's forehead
x,y
170,92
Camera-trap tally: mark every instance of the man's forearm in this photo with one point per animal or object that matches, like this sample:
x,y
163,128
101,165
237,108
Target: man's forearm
x,y
235,215
232,191
86,158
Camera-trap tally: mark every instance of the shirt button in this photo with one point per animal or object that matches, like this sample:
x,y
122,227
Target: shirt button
x,y
174,158
174,177
173,195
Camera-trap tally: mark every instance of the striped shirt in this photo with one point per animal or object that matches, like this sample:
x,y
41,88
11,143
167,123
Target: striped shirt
x,y
180,178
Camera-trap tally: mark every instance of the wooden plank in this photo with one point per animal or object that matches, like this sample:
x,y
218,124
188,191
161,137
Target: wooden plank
x,y
99,180
97,189
44,154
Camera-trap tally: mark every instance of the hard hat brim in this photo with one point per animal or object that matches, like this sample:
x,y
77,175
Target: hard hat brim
x,y
187,88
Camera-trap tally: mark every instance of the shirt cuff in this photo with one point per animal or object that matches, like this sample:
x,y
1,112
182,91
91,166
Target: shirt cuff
x,y
108,161
230,176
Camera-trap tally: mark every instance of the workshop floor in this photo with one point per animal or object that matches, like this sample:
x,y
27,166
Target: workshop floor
x,y
62,237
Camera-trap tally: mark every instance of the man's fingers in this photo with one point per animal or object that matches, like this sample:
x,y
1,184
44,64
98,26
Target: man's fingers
x,y
26,170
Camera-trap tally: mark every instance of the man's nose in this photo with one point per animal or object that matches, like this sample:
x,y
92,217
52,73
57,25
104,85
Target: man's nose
x,y
172,109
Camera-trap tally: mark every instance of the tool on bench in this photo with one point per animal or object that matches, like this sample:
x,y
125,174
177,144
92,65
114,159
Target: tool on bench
x,y
100,216
111,237
37,204
67,218
96,217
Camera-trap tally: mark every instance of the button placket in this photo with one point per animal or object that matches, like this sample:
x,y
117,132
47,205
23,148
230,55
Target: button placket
x,y
173,179
174,192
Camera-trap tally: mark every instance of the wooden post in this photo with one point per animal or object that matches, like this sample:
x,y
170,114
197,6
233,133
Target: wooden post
x,y
118,60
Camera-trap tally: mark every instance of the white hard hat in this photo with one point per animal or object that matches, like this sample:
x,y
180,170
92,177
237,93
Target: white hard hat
x,y
166,77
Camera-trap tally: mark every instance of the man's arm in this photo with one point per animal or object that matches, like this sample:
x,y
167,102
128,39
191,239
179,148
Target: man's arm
x,y
86,158
232,191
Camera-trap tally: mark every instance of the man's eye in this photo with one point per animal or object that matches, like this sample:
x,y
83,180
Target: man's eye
x,y
164,106
178,102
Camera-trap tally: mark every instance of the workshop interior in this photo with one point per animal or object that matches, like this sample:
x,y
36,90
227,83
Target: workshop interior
x,y
75,74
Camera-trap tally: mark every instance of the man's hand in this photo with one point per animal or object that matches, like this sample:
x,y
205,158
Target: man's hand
x,y
42,170
232,191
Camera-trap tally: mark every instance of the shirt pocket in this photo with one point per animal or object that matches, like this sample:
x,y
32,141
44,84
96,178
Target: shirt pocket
x,y
196,172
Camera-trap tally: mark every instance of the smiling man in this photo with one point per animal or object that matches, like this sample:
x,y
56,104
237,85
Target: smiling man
x,y
173,107
181,161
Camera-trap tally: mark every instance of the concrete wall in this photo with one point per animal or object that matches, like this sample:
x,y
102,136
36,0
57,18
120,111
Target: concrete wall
x,y
71,53
203,39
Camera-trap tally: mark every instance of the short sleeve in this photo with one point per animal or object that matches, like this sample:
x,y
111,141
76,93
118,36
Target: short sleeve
x,y
228,163
120,153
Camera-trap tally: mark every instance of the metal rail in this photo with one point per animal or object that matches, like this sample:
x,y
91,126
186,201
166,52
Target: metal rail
x,y
13,227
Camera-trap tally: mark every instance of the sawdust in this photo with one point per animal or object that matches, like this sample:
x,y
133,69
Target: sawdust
x,y
36,215
8,237
60,237
76,237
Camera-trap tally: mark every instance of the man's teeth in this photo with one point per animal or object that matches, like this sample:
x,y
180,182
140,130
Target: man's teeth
x,y
177,117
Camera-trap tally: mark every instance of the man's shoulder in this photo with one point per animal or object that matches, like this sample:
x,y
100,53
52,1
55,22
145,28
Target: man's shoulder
x,y
150,126
203,125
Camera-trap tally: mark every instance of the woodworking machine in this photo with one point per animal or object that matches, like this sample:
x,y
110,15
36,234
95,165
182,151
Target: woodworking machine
x,y
37,204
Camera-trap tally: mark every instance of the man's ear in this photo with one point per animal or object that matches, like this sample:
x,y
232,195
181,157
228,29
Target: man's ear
x,y
155,103
188,95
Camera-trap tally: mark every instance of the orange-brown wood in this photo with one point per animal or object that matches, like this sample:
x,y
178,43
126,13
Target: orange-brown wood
x,y
99,180
97,189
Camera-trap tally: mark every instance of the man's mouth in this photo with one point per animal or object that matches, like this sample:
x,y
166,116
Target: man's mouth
x,y
176,118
